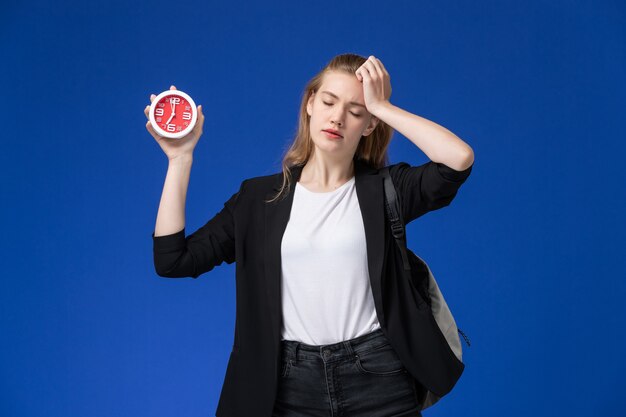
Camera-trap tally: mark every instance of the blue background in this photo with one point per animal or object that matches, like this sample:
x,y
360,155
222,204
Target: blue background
x,y
529,255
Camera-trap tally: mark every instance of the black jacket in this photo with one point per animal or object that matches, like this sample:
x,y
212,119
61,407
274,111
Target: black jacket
x,y
249,231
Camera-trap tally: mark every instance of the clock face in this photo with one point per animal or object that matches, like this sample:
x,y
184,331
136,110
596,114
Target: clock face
x,y
173,114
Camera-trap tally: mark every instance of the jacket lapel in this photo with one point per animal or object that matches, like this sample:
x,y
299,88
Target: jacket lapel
x,y
369,189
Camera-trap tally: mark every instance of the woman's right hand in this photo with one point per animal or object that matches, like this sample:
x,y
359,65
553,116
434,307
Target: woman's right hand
x,y
175,148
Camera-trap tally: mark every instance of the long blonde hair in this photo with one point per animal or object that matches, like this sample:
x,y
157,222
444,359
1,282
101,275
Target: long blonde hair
x,y
372,148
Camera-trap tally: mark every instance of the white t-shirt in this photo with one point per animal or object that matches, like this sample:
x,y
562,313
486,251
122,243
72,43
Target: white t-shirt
x,y
326,292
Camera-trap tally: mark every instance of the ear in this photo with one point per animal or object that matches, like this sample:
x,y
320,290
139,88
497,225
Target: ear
x,y
371,125
309,104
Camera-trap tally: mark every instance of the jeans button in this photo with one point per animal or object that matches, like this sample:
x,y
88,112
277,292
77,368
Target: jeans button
x,y
326,353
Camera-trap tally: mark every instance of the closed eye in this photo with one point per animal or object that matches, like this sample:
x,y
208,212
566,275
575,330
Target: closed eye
x,y
354,114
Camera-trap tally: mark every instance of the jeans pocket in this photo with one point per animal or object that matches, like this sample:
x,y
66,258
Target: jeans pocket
x,y
382,361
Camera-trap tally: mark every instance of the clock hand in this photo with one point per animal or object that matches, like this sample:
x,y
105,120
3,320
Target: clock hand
x,y
173,107
168,120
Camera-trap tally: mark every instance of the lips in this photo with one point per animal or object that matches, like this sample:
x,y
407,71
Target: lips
x,y
334,132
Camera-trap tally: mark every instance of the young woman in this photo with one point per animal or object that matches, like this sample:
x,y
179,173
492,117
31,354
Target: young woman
x,y
310,243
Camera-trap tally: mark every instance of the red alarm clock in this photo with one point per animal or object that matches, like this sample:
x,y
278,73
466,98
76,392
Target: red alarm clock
x,y
173,114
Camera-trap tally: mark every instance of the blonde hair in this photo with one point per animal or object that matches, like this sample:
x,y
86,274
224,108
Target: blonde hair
x,y
372,148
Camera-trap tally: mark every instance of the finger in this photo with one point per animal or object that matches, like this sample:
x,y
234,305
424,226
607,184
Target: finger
x,y
200,115
172,87
150,128
372,69
146,111
376,64
367,66
152,131
365,73
152,96
381,66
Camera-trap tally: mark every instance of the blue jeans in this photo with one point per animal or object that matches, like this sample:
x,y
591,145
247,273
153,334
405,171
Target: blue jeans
x,y
360,377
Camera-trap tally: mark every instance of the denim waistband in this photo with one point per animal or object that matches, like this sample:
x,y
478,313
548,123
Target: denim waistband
x,y
295,351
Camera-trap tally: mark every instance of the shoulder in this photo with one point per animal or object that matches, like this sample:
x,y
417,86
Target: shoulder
x,y
257,188
261,182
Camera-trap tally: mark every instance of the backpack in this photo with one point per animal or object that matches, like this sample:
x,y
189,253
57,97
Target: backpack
x,y
428,289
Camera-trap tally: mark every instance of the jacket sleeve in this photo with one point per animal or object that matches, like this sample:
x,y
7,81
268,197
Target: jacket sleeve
x,y
426,187
177,256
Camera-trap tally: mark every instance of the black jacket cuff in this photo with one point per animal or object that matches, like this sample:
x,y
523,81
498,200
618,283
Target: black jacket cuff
x,y
169,243
452,174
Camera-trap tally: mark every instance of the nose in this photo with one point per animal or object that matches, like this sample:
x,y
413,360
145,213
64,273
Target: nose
x,y
337,115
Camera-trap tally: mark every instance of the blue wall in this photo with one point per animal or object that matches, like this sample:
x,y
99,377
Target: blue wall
x,y
529,255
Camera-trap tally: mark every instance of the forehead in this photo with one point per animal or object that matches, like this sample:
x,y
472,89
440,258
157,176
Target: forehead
x,y
346,86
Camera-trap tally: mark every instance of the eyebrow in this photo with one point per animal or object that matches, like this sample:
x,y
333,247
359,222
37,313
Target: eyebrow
x,y
354,103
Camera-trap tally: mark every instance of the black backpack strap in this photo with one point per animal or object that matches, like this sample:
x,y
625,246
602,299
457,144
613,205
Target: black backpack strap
x,y
392,206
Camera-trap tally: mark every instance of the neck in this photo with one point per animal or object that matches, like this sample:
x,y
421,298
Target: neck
x,y
326,173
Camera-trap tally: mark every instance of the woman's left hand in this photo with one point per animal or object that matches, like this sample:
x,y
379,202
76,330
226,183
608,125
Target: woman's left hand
x,y
376,84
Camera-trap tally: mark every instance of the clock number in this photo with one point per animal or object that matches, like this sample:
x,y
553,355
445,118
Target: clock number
x,y
186,116
175,100
158,112
171,127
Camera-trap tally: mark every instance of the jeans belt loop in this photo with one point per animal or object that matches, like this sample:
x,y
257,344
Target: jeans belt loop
x,y
348,347
295,356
